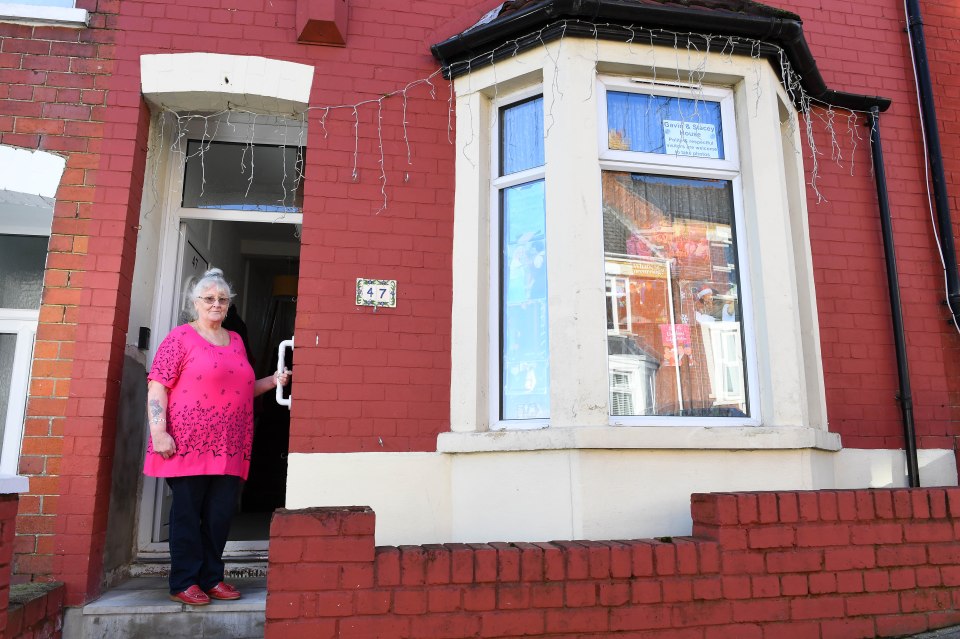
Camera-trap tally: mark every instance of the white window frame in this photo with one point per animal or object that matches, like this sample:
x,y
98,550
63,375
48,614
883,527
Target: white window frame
x,y
44,14
262,130
727,169
23,324
789,407
498,184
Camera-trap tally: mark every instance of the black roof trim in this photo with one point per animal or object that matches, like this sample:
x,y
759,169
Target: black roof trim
x,y
541,22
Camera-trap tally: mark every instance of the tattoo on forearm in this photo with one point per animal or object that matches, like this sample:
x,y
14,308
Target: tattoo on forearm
x,y
156,411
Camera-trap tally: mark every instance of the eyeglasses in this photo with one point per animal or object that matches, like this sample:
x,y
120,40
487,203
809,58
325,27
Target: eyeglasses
x,y
210,300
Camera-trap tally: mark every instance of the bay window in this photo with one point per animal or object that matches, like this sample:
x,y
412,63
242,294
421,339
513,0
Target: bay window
x,y
629,252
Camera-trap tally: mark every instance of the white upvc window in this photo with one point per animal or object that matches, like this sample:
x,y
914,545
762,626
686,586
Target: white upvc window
x,y
43,12
672,222
22,259
662,243
519,246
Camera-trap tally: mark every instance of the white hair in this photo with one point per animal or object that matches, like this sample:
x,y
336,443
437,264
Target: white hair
x,y
213,277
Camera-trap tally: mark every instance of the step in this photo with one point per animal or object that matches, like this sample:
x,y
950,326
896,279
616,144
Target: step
x,y
140,608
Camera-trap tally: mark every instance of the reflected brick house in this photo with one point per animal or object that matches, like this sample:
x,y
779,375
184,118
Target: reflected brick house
x,y
533,177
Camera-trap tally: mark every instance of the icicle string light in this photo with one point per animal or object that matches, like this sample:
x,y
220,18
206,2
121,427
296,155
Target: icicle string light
x,y
698,48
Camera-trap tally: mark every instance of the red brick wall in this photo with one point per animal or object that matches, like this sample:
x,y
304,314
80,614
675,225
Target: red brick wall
x,y
41,617
364,381
53,96
862,47
8,514
941,20
826,564
380,381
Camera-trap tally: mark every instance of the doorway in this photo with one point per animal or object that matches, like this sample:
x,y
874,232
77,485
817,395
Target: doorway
x,y
261,262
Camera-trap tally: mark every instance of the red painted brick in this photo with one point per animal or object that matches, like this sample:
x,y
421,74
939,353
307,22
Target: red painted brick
x,y
412,565
379,626
437,565
476,598
410,602
513,596
902,555
796,561
550,595
445,626
614,594
771,537
509,623
485,562
740,630
761,610
645,591
639,618
873,604
387,566
508,561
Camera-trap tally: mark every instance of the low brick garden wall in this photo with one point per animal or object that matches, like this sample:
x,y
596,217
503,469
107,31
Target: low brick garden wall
x,y
817,564
27,611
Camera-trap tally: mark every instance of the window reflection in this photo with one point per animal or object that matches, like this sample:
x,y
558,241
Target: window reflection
x,y
674,320
525,361
243,177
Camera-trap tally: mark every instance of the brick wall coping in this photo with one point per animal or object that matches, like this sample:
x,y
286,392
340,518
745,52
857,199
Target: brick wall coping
x,y
13,484
614,437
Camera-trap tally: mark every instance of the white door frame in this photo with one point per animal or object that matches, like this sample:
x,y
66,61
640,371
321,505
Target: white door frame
x,y
165,302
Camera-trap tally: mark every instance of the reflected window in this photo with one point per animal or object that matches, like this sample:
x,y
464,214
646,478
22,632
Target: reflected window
x,y
673,307
244,177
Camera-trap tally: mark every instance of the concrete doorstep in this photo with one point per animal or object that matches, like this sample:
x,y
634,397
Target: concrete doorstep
x,y
140,608
944,633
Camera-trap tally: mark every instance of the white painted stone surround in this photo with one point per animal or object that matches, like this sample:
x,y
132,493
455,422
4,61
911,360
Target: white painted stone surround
x,y
575,493
212,81
44,16
10,484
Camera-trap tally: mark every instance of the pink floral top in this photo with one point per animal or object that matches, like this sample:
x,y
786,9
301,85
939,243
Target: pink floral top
x,y
209,406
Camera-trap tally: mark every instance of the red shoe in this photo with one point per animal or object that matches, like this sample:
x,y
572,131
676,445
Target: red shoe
x,y
192,596
223,591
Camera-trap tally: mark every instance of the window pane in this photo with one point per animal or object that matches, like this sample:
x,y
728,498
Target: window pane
x,y
665,125
22,260
8,345
521,140
525,361
225,175
674,321
41,3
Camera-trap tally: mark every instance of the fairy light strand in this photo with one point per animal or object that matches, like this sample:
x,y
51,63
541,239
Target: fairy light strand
x,y
809,108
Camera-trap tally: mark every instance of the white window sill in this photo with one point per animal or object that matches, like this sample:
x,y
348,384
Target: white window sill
x,y
13,484
618,438
45,16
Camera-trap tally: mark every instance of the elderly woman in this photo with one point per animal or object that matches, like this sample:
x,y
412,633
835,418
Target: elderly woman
x,y
200,407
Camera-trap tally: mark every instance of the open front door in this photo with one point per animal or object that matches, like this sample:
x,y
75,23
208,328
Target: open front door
x,y
219,212
191,267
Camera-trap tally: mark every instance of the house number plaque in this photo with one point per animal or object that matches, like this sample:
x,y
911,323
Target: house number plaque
x,y
377,293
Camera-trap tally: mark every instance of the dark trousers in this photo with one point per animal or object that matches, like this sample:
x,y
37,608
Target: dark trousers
x,y
200,515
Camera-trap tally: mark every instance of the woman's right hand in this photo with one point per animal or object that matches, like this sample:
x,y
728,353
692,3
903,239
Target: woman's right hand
x,y
163,444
